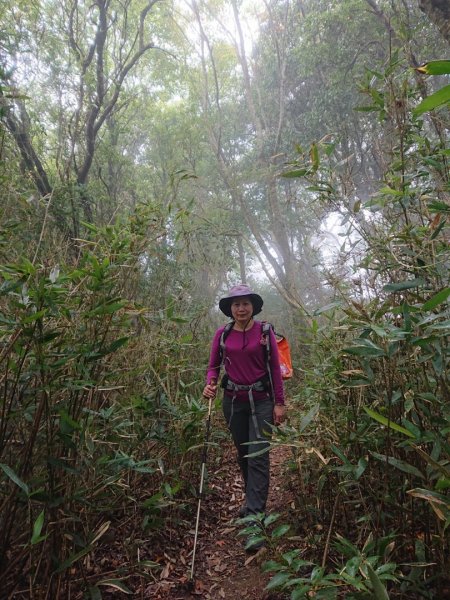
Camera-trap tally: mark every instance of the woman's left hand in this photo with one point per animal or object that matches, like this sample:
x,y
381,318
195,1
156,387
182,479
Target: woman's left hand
x,y
279,413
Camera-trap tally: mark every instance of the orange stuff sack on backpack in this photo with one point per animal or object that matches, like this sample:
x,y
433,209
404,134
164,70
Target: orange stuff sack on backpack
x,y
284,352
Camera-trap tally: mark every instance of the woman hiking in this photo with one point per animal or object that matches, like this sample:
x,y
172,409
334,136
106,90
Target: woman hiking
x,y
248,403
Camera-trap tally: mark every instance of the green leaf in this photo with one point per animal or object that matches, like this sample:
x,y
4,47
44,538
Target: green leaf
x,y
438,326
278,581
272,565
435,67
442,468
300,593
280,531
428,396
106,308
94,593
328,593
115,345
37,528
34,317
322,309
388,423
363,347
314,154
73,558
398,464
6,320
60,463
341,455
362,466
179,320
437,99
306,420
257,452
378,588
90,226
67,424
317,574
319,188
438,207
391,192
293,583
437,299
442,484
329,147
386,568
271,518
438,229
379,330
345,547
116,584
296,173
10,286
352,565
254,540
15,478
404,285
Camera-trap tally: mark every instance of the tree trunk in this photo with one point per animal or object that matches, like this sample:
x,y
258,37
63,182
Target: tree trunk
x,y
19,130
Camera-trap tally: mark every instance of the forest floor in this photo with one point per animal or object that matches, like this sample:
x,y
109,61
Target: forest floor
x,y
127,563
223,569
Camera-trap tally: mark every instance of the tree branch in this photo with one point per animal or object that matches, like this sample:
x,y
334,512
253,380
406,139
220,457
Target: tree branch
x,y
20,132
99,110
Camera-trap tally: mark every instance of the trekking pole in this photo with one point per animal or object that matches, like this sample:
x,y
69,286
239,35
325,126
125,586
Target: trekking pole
x,y
202,477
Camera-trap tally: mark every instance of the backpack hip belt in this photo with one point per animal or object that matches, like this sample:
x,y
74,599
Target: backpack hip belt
x,y
258,386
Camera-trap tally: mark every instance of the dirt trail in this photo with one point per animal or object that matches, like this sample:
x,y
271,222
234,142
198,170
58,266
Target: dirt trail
x,y
223,570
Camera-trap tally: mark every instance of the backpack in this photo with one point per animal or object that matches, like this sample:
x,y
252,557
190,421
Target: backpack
x,y
283,348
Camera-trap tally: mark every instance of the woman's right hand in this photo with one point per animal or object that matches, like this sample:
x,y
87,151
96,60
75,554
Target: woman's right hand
x,y
210,390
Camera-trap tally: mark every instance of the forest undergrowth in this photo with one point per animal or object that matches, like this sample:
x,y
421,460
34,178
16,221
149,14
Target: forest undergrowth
x,y
367,434
115,245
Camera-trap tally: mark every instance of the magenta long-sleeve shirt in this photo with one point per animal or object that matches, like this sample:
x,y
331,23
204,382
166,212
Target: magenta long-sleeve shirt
x,y
245,360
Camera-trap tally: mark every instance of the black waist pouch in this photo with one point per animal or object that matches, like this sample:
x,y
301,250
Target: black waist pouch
x,y
266,383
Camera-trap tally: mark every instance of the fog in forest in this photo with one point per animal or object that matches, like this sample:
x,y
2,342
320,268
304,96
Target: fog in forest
x,y
152,155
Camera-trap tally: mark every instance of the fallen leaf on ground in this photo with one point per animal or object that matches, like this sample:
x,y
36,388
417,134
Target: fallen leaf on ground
x,y
227,530
256,556
166,571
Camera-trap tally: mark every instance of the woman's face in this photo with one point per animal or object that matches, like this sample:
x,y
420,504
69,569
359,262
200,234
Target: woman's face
x,y
242,309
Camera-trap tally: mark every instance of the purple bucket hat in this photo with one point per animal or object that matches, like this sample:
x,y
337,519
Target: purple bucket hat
x,y
240,290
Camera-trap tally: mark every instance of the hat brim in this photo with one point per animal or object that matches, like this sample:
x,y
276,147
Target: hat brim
x,y
256,300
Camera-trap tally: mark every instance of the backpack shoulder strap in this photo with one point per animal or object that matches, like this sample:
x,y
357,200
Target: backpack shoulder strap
x,y
265,329
265,332
226,330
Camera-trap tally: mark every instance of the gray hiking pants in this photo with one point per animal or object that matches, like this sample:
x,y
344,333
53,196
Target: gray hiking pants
x,y
255,470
